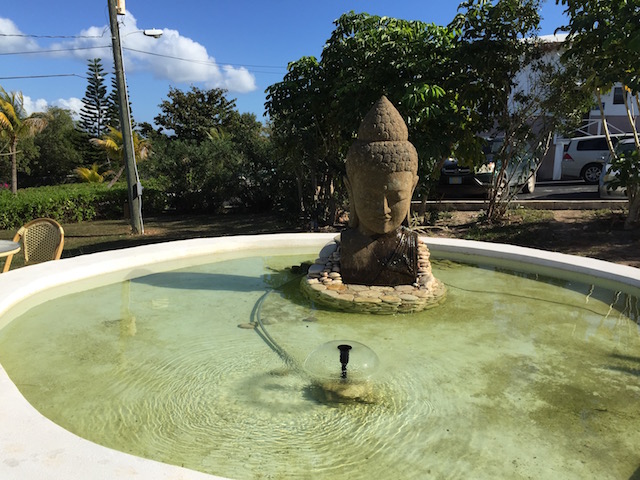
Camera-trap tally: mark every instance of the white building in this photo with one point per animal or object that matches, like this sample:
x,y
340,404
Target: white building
x,y
614,111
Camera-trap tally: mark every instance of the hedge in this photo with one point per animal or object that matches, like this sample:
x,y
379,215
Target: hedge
x,y
73,203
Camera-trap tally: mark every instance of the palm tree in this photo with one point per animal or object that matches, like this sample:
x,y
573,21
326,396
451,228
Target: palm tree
x,y
92,175
15,125
111,142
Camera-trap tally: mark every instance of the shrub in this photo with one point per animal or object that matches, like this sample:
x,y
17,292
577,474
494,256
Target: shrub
x,y
73,203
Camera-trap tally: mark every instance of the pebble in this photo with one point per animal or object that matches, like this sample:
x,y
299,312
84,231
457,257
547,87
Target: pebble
x,y
338,287
324,284
403,288
248,326
347,297
405,297
367,299
390,299
316,269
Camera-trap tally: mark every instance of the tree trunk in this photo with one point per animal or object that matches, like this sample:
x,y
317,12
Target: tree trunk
x,y
300,193
631,120
607,135
634,213
116,178
634,199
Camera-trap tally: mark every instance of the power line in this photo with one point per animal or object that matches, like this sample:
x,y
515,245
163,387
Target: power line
x,y
204,62
43,76
49,36
190,60
55,50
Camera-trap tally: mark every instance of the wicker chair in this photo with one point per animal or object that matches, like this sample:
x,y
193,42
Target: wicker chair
x,y
42,240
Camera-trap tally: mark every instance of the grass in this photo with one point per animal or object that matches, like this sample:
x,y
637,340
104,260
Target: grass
x,y
518,227
597,234
90,237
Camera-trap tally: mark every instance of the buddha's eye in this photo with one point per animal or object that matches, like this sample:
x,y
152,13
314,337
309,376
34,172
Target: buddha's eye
x,y
395,196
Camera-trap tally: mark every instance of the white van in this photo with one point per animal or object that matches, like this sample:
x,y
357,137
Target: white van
x,y
584,156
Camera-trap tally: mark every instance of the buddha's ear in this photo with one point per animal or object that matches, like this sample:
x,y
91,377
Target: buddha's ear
x,y
353,218
407,219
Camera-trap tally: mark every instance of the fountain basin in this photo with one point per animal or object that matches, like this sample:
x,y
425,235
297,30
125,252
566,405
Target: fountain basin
x,y
36,447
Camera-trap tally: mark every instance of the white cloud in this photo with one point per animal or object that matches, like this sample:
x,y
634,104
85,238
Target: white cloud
x,y
41,105
73,104
32,106
15,44
239,79
172,57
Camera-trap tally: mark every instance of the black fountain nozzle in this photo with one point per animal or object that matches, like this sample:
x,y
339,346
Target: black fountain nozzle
x,y
344,359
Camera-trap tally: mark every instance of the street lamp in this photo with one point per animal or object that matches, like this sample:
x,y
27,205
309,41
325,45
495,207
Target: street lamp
x,y
134,188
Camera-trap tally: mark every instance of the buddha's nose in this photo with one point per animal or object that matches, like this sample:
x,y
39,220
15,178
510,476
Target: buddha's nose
x,y
385,206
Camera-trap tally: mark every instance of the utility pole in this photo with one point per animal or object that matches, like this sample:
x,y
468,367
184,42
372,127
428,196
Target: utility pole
x,y
134,188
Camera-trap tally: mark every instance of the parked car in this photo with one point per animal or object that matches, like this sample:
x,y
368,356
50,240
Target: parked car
x,y
461,181
584,156
608,174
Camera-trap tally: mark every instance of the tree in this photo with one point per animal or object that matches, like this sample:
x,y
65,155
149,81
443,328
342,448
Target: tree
x,y
93,115
604,46
515,91
111,143
191,115
16,125
113,107
197,176
57,143
317,108
92,175
257,183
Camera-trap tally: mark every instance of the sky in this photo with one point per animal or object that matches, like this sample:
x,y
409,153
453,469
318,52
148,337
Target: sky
x,y
243,46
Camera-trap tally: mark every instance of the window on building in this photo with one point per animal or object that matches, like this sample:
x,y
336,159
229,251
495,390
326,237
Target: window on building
x,y
618,97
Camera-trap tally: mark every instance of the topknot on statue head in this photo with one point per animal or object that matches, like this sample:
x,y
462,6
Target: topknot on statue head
x,y
382,143
383,123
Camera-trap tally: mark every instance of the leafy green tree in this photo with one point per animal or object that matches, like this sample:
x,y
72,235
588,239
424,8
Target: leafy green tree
x,y
197,176
604,47
15,125
232,166
58,155
297,110
317,108
510,87
215,155
256,181
191,115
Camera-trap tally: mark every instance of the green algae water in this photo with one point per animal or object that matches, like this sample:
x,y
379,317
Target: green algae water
x,y
513,376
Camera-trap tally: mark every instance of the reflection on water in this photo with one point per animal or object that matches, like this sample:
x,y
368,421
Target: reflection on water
x,y
514,376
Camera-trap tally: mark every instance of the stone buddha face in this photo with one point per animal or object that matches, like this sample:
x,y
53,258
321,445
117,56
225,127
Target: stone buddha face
x,y
381,203
382,168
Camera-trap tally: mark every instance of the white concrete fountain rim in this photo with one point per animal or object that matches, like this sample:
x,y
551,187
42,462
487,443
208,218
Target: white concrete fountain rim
x,y
34,447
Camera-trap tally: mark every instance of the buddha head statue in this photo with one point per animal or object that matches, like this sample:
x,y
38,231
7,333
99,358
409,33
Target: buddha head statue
x,y
382,168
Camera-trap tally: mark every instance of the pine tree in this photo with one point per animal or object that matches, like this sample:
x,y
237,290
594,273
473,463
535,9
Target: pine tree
x,y
113,106
93,115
